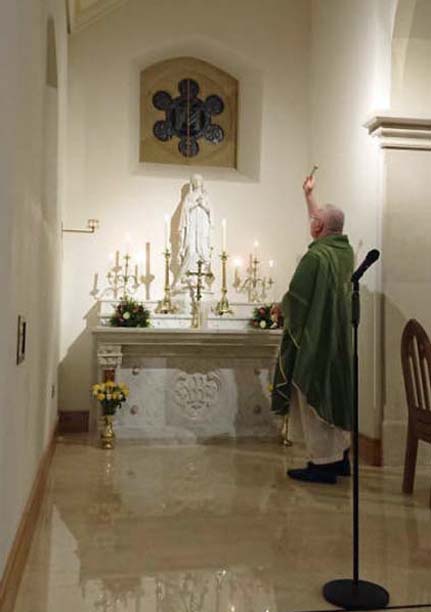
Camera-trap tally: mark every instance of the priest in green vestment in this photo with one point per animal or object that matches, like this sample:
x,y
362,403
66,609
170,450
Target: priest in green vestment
x,y
313,376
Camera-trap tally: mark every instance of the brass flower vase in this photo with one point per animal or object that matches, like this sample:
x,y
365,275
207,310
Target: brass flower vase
x,y
107,435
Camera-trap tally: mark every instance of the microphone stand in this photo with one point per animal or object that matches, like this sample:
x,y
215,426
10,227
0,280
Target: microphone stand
x,y
355,594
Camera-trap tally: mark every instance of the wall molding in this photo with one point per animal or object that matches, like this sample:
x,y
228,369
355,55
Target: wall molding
x,y
370,450
73,421
83,14
396,132
14,569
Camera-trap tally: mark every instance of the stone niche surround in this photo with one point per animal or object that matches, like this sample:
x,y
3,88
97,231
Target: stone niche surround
x,y
406,145
190,385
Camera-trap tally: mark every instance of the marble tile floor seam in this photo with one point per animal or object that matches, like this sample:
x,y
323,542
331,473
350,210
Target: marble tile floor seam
x,y
215,528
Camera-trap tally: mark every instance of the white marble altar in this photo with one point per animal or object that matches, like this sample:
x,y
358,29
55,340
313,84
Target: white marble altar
x,y
183,320
191,385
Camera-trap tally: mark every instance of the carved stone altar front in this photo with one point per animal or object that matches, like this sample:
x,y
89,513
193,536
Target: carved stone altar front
x,y
189,385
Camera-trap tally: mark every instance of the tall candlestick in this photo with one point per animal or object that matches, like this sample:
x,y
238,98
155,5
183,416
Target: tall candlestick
x,y
165,305
223,235
223,306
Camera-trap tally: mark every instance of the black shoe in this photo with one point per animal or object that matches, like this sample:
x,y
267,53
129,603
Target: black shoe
x,y
339,468
313,473
343,466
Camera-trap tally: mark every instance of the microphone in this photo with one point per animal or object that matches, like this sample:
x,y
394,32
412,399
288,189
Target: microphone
x,y
371,257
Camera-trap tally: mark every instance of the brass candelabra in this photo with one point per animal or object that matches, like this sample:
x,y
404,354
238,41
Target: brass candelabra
x,y
223,306
122,281
166,306
257,287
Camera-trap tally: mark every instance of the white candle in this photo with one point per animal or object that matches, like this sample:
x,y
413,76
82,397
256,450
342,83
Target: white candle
x,y
223,235
237,264
166,232
271,264
117,258
255,247
147,259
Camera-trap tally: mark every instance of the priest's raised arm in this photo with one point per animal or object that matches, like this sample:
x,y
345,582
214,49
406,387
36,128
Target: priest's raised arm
x,y
313,378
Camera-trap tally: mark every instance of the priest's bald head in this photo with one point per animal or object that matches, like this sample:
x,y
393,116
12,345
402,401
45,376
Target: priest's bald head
x,y
326,221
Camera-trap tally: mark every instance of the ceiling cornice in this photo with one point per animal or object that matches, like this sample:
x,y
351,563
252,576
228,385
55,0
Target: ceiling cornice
x,y
397,132
83,13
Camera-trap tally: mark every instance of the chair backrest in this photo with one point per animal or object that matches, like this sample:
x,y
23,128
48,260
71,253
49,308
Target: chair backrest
x,y
416,362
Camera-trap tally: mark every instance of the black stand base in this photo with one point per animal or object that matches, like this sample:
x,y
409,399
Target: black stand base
x,y
352,595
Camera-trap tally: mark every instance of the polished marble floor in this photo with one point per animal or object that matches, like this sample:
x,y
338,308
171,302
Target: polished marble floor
x,y
215,528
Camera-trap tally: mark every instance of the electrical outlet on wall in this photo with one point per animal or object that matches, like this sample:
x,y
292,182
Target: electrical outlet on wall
x,y
21,339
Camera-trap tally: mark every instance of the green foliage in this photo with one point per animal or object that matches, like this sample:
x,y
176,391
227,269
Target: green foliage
x,y
130,313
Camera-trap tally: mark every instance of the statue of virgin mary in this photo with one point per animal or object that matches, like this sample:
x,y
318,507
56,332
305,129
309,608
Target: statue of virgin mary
x,y
194,229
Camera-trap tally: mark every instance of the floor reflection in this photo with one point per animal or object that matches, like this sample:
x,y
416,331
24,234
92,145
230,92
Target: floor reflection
x,y
214,528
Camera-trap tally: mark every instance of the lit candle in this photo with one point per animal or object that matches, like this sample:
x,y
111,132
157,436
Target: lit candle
x,y
166,232
223,235
271,264
255,247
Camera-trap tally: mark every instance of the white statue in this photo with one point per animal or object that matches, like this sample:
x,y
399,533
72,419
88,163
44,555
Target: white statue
x,y
194,229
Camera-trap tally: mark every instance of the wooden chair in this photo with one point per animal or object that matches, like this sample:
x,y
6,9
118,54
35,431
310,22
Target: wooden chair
x,y
416,363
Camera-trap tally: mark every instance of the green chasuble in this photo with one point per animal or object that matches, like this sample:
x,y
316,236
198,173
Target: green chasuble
x,y
316,348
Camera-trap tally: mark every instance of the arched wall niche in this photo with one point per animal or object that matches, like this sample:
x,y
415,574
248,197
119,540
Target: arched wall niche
x,y
250,107
50,158
51,55
411,59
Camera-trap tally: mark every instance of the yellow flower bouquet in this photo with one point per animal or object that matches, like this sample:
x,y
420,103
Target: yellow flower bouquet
x,y
111,395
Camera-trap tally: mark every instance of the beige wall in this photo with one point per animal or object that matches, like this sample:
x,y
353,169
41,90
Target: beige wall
x,y
265,45
406,280
351,54
407,218
30,184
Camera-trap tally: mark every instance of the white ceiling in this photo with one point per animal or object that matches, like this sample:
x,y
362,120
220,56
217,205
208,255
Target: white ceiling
x,y
84,12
